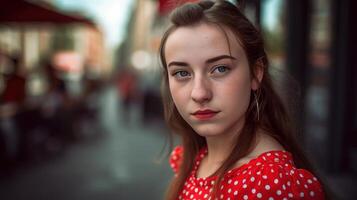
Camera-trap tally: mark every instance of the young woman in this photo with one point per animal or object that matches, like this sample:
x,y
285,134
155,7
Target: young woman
x,y
237,138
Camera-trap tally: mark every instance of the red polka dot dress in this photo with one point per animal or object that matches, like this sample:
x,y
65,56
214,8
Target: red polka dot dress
x,y
272,175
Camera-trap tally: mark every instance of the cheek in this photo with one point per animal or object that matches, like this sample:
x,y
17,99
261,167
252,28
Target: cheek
x,y
177,94
235,92
236,84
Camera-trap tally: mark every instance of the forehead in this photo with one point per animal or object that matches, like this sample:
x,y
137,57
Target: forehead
x,y
201,40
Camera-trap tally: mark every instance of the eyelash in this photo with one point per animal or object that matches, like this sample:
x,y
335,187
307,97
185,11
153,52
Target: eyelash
x,y
179,75
226,68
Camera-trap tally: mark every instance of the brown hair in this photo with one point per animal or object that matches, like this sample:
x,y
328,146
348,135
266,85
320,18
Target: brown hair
x,y
273,116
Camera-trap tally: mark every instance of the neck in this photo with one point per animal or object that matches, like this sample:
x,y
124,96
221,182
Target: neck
x,y
220,146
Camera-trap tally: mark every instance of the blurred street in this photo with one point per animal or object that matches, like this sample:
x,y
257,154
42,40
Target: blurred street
x,y
81,113
122,162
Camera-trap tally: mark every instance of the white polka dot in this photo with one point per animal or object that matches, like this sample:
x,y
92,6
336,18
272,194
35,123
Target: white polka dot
x,y
267,187
206,195
243,181
278,192
309,181
222,196
200,193
229,181
298,182
235,182
191,197
235,193
302,176
229,190
271,198
305,186
276,181
212,182
253,190
285,198
315,179
245,197
288,183
284,187
290,195
245,186
301,194
259,195
222,187
252,179
268,154
312,193
196,190
259,172
264,177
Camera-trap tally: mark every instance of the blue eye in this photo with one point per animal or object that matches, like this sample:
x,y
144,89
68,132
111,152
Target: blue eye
x,y
181,74
220,69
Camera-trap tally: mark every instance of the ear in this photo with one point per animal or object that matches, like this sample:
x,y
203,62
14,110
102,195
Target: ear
x,y
258,74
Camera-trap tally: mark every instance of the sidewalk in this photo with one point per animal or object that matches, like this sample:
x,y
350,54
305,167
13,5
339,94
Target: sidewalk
x,y
123,163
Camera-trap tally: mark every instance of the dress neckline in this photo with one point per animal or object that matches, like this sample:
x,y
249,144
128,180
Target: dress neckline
x,y
261,157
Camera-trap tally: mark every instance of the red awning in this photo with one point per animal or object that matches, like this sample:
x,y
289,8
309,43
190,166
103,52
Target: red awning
x,y
21,11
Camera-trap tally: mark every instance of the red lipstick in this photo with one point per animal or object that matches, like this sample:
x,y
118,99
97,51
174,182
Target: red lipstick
x,y
204,114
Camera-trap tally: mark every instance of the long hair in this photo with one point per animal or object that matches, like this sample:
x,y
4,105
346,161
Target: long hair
x,y
273,115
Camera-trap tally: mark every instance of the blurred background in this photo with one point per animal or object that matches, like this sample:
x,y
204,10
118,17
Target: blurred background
x,y
80,108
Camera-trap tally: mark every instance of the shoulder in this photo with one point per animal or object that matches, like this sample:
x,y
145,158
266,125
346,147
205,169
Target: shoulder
x,y
273,176
175,158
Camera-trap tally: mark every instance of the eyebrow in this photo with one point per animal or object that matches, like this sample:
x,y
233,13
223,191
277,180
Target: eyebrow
x,y
211,60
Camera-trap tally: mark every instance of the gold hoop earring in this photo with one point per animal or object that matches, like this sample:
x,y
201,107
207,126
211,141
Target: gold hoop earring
x,y
256,104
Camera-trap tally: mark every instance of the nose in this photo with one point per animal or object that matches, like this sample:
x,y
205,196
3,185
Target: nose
x,y
201,91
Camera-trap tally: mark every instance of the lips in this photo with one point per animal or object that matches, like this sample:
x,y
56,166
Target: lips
x,y
204,114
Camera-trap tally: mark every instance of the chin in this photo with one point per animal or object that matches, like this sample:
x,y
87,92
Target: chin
x,y
208,130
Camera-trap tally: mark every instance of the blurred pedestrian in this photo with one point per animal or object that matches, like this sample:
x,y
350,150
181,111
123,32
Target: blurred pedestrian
x,y
237,137
128,90
12,105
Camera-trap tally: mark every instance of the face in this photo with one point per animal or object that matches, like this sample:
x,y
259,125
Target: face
x,y
209,80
